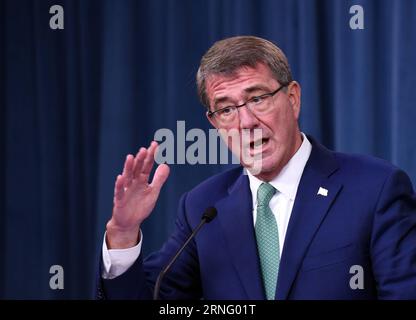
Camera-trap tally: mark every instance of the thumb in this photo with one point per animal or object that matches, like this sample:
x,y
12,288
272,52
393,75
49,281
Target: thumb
x,y
160,177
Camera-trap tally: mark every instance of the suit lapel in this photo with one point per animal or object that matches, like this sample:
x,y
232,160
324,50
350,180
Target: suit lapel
x,y
235,213
309,210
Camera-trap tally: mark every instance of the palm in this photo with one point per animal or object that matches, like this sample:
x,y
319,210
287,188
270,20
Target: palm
x,y
134,196
137,203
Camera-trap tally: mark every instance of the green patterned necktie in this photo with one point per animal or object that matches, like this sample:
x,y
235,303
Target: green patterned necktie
x,y
267,236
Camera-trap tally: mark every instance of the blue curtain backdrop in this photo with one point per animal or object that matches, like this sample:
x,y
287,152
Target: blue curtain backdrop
x,y
74,102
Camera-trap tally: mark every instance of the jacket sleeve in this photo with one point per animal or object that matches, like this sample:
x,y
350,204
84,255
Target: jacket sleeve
x,y
393,239
181,282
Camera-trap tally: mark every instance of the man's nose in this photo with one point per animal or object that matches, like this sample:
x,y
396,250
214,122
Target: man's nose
x,y
247,119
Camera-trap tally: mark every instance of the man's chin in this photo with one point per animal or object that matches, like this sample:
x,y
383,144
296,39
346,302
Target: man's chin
x,y
259,164
261,168
255,167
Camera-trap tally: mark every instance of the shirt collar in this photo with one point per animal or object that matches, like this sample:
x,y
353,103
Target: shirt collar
x,y
287,181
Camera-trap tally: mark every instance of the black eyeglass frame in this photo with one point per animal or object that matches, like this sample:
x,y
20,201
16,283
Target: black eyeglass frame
x,y
266,95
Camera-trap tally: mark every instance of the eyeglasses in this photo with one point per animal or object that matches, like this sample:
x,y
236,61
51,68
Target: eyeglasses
x,y
257,105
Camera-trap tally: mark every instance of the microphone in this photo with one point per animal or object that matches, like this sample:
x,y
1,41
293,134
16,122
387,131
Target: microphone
x,y
209,214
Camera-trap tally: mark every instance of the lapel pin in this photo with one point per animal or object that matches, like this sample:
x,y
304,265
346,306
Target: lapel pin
x,y
322,192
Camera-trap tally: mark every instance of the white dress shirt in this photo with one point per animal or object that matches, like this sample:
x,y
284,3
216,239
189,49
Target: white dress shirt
x,y
117,261
286,183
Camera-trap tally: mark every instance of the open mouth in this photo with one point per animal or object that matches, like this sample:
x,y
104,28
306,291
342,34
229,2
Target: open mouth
x,y
258,143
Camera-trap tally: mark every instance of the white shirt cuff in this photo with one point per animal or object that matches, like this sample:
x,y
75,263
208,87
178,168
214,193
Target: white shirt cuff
x,y
117,261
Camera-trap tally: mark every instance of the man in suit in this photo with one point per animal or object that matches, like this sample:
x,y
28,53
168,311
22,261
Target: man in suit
x,y
309,224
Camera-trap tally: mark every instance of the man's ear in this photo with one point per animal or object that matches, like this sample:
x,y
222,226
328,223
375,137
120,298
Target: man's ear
x,y
294,95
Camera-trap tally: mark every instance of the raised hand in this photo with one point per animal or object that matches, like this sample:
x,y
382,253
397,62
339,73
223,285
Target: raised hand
x,y
134,197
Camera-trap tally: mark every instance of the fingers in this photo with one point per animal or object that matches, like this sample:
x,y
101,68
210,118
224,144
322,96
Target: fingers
x,y
149,160
128,170
119,188
139,167
138,162
160,177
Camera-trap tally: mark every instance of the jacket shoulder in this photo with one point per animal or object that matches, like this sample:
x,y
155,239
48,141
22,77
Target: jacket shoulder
x,y
219,183
364,164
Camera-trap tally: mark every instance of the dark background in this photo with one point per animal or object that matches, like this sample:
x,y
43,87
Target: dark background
x,y
74,102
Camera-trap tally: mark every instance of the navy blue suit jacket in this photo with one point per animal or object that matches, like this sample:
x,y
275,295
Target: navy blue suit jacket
x,y
368,218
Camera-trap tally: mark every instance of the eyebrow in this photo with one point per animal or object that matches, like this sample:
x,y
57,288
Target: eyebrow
x,y
257,87
251,89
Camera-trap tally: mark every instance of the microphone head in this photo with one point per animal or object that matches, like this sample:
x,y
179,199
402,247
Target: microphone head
x,y
209,214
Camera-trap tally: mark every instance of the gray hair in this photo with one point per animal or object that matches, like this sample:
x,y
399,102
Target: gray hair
x,y
226,56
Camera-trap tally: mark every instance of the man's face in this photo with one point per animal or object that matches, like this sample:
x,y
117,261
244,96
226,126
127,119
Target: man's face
x,y
279,125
